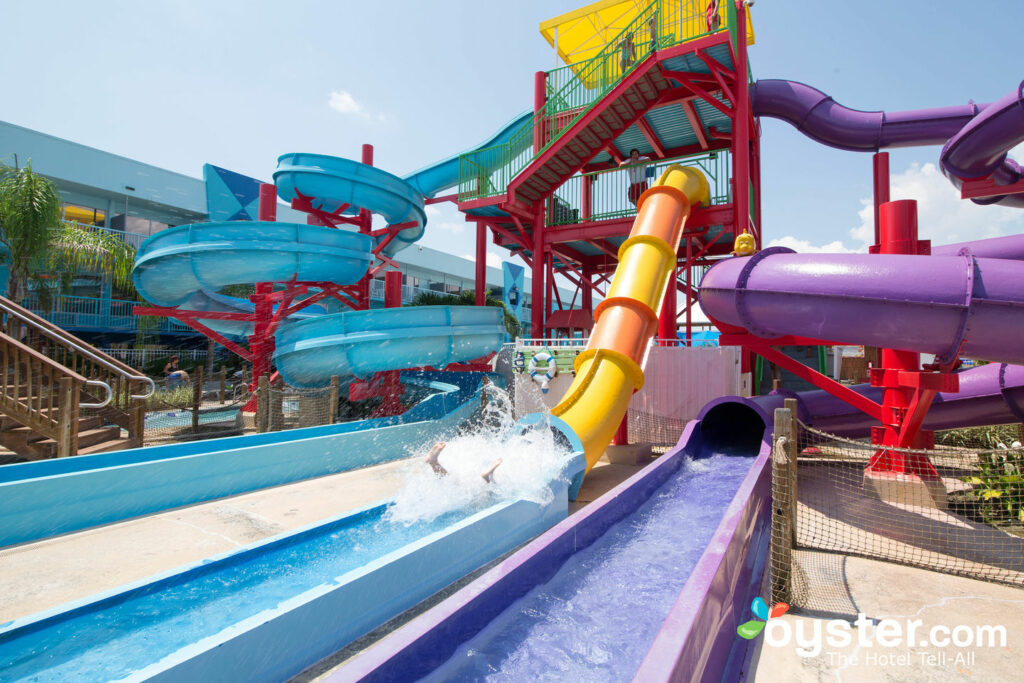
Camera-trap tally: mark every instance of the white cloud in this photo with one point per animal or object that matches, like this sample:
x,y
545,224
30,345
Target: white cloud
x,y
493,260
942,216
805,247
432,211
343,102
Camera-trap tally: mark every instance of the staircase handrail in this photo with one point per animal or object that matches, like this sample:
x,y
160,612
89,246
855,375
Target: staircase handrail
x,y
112,364
104,402
45,360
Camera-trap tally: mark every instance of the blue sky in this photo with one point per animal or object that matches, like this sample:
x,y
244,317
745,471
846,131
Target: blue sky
x,y
178,84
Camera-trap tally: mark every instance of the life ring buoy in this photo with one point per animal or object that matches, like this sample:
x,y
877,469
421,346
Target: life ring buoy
x,y
545,374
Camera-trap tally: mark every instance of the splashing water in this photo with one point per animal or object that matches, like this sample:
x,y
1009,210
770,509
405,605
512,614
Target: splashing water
x,y
530,462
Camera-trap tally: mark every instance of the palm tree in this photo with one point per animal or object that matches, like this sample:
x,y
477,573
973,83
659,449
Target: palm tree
x,y
45,251
467,297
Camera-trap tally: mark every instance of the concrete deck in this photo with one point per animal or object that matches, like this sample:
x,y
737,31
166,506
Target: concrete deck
x,y
837,525
881,590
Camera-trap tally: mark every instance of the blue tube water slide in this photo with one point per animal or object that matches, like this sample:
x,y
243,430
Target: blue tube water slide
x,y
187,266
445,174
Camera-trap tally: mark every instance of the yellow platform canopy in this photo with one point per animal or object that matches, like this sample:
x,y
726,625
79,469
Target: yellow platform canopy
x,y
580,34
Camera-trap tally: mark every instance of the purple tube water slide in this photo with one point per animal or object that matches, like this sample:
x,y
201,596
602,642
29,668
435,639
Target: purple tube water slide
x,y
930,304
1009,247
819,117
979,149
990,394
976,136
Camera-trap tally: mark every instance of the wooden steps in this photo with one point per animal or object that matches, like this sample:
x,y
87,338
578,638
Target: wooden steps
x,y
52,385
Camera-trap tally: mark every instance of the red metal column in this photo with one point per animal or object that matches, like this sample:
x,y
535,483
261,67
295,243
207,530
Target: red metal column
x,y
362,288
540,97
667,319
741,119
549,275
689,291
481,263
898,235
898,232
755,170
587,297
393,289
880,164
537,284
585,208
261,344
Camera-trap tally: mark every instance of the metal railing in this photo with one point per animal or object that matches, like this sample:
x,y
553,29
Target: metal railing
x,y
140,357
603,195
131,238
574,89
86,312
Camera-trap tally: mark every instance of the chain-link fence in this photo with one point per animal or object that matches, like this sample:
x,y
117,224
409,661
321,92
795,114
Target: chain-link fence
x,y
197,407
966,519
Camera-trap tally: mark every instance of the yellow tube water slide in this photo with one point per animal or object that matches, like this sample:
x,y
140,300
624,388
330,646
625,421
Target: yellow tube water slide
x,y
611,368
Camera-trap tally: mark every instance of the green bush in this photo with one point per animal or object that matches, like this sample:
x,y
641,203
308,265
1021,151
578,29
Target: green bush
x,y
467,297
998,488
163,399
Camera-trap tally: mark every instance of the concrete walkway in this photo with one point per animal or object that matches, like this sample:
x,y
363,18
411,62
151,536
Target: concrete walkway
x,y
44,574
881,590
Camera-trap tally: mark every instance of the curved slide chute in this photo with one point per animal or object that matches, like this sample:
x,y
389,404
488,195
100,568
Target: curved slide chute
x,y
445,173
977,137
980,149
611,367
331,183
188,266
360,343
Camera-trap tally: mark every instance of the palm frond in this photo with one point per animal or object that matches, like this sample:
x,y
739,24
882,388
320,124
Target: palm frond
x,y
467,297
76,247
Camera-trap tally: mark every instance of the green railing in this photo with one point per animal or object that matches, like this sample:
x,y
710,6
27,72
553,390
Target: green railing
x,y
573,90
607,192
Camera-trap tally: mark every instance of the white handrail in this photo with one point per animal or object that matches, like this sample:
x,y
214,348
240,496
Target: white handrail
x,y
110,394
67,340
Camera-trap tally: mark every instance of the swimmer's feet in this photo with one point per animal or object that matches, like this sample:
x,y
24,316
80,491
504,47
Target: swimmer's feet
x,y
488,474
432,457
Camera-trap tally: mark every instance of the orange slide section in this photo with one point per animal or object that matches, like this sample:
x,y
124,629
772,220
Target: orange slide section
x,y
611,368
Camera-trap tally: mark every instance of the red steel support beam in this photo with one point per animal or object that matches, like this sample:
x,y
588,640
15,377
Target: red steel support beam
x,y
698,127
587,297
540,96
649,135
880,168
741,130
454,198
393,289
481,264
986,187
667,318
537,276
840,391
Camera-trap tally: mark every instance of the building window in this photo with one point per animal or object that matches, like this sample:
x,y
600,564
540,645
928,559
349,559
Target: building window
x,y
83,214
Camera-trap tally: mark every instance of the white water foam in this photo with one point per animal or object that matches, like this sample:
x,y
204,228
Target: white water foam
x,y
530,462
